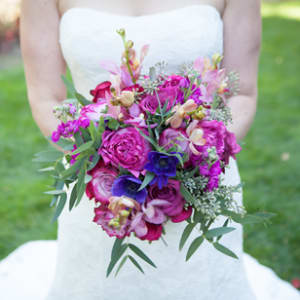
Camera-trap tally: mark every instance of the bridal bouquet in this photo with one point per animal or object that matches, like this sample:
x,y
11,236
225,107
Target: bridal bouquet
x,y
149,149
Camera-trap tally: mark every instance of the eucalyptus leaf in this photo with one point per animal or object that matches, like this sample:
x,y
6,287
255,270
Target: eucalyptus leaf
x,y
65,144
148,178
224,250
60,206
73,197
136,263
55,192
82,100
216,232
194,246
115,258
83,147
186,233
121,264
48,156
186,194
141,254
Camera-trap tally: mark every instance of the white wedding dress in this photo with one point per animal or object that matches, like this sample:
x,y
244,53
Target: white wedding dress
x,y
81,254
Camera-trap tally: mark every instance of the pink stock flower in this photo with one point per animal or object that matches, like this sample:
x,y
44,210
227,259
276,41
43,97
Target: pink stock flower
x,y
126,148
94,111
100,186
101,91
171,137
231,147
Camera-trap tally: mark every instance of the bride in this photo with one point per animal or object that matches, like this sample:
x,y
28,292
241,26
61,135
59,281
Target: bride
x,y
81,33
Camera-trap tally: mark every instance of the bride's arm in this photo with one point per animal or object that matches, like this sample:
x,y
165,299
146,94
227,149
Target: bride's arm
x,y
242,38
43,61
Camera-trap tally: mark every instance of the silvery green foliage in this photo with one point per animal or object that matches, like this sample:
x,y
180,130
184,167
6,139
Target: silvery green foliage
x,y
63,113
211,203
221,115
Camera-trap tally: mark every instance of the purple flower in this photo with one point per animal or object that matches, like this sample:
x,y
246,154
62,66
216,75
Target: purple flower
x,y
163,166
128,186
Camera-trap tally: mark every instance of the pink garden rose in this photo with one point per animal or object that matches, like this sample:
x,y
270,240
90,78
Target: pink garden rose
x,y
171,136
150,102
126,148
100,186
170,193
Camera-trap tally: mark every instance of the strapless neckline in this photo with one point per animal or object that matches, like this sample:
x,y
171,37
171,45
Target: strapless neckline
x,y
146,16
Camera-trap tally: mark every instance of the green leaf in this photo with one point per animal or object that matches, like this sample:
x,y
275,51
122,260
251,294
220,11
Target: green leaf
x,y
186,233
78,139
141,254
80,185
83,147
117,253
113,124
65,144
82,100
49,169
60,206
136,263
194,246
216,232
148,178
48,156
121,264
73,197
224,250
186,194
55,192
94,161
69,85
150,140
72,169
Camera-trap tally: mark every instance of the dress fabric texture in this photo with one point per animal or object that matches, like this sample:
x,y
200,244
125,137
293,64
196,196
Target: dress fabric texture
x,y
87,37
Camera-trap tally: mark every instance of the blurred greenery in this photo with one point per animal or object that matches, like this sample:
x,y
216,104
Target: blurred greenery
x,y
269,164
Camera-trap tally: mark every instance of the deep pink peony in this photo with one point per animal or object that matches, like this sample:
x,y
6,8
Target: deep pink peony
x,y
102,217
153,233
231,147
150,102
170,137
170,193
101,91
100,186
126,148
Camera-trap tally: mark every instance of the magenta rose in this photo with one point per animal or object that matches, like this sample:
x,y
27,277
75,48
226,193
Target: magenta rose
x,y
100,186
170,137
154,232
170,193
100,91
126,148
150,102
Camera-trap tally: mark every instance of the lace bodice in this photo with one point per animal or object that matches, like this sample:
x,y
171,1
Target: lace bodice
x,y
88,36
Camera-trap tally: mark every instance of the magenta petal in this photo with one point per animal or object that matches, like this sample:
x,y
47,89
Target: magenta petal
x,y
185,214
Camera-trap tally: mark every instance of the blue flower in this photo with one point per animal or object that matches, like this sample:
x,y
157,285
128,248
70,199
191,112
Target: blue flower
x,y
163,166
127,185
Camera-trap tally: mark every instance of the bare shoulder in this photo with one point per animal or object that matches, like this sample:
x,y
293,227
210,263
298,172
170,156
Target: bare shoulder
x,y
39,8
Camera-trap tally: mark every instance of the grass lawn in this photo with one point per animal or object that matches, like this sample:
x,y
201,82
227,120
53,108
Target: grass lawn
x,y
269,164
